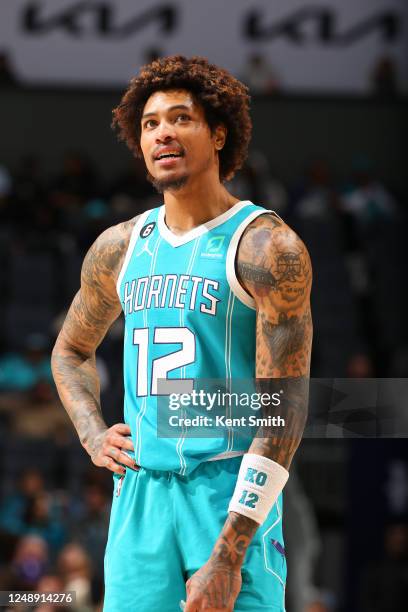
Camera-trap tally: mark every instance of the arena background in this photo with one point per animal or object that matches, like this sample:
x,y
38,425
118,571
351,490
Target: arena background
x,y
329,81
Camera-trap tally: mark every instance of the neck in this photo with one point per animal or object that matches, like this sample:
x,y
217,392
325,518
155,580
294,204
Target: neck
x,y
195,204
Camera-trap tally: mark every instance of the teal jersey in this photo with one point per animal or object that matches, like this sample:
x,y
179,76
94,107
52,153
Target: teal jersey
x,y
186,317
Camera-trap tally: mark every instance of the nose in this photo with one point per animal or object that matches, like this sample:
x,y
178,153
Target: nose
x,y
165,132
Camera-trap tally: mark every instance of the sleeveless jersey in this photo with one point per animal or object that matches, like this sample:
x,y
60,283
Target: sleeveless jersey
x,y
186,317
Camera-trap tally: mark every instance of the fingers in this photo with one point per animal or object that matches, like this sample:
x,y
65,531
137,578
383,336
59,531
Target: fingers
x,y
120,441
191,604
190,607
120,457
112,451
115,444
198,606
111,465
121,428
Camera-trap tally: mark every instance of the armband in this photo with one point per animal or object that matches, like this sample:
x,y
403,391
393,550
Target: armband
x,y
259,483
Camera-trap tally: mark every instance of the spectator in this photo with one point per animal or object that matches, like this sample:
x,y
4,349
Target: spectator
x,y
75,569
75,185
366,198
255,182
14,506
385,582
130,192
41,518
383,79
29,563
320,601
51,583
29,197
21,372
259,75
316,217
377,245
37,413
91,527
316,196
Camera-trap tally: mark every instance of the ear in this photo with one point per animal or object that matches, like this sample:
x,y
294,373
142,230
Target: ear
x,y
220,136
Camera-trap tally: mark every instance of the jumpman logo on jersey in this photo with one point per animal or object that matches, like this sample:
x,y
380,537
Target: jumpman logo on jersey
x,y
145,249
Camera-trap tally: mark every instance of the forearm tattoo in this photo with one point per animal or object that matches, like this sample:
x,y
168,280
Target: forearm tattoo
x,y
92,311
234,540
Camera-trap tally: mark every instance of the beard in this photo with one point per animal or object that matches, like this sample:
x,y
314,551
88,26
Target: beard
x,y
167,184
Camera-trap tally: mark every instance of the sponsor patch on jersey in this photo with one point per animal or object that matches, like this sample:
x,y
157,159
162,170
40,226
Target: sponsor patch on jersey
x,y
213,249
147,229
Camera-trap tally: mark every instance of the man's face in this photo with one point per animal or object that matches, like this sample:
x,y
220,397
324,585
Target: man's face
x,y
176,140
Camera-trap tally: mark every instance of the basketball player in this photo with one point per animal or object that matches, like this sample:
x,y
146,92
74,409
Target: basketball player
x,y
210,287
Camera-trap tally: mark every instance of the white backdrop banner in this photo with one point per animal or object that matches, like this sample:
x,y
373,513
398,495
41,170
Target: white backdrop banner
x,y
327,45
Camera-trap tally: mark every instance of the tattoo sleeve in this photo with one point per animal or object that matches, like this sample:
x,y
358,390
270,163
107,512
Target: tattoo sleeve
x,y
274,267
93,310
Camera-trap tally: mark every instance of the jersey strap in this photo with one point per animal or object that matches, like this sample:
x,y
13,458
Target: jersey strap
x,y
132,242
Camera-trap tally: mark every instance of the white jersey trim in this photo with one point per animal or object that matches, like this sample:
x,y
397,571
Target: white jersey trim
x,y
132,242
181,440
232,279
264,546
176,241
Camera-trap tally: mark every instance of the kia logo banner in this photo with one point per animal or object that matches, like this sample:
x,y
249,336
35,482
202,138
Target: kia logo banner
x,y
329,45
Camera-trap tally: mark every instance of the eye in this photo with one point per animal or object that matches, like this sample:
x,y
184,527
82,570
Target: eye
x,y
183,117
149,123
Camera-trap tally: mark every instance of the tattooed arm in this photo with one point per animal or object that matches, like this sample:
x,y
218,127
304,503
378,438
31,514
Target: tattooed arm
x,y
93,310
274,267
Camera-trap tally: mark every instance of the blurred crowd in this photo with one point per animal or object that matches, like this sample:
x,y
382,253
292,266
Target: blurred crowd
x,y
53,541
54,517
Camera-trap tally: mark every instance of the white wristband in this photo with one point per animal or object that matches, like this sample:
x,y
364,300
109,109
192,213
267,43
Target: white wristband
x,y
259,483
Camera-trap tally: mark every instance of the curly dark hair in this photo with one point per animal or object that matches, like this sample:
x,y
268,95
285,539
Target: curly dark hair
x,y
225,100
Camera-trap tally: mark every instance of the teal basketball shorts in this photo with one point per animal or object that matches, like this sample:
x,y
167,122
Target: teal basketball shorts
x,y
162,530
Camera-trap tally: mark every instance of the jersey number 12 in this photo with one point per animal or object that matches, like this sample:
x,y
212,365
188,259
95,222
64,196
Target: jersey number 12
x,y
161,366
